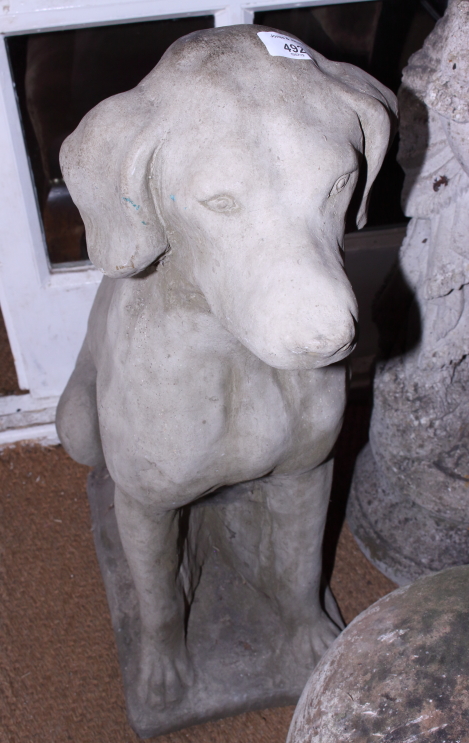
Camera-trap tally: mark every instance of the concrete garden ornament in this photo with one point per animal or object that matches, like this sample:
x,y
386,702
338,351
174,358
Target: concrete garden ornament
x,y
398,674
410,499
209,384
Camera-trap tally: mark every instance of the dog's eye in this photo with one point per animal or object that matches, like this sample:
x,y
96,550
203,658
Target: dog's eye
x,y
221,204
340,184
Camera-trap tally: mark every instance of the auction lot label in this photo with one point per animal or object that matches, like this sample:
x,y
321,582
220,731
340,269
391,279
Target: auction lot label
x,y
279,45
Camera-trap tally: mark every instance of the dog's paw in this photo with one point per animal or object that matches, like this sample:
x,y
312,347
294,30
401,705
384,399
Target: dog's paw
x,y
163,678
311,641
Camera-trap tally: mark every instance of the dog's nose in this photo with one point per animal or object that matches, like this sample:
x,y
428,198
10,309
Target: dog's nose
x,y
336,339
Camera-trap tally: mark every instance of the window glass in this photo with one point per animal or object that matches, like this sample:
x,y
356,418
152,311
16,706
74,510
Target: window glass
x,y
59,76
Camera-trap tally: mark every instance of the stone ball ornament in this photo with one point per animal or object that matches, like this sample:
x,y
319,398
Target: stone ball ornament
x,y
399,673
211,385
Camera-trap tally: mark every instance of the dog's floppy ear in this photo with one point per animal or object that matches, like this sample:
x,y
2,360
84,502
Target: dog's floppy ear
x,y
376,108
106,164
378,120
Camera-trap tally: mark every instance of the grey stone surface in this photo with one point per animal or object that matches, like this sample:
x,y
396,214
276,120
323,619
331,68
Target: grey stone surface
x,y
399,673
395,533
419,433
210,382
243,658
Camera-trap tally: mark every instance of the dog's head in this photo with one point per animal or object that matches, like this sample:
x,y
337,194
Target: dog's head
x,y
244,164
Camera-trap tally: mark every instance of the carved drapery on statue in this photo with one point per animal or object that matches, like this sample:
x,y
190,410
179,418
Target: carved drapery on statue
x,y
409,506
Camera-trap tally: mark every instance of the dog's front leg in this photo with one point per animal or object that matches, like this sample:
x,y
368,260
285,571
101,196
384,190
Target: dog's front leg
x,y
297,507
149,538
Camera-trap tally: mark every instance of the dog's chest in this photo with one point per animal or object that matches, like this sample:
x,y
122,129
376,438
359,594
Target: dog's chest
x,y
199,410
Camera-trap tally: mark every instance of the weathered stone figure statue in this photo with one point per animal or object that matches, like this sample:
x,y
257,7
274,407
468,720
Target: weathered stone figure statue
x,y
410,499
214,197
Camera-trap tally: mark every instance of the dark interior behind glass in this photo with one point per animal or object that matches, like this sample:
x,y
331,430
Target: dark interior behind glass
x,y
59,76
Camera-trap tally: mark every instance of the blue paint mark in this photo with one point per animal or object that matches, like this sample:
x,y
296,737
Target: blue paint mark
x,y
129,201
172,197
144,222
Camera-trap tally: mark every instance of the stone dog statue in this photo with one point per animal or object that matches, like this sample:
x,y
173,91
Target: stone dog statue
x,y
214,196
